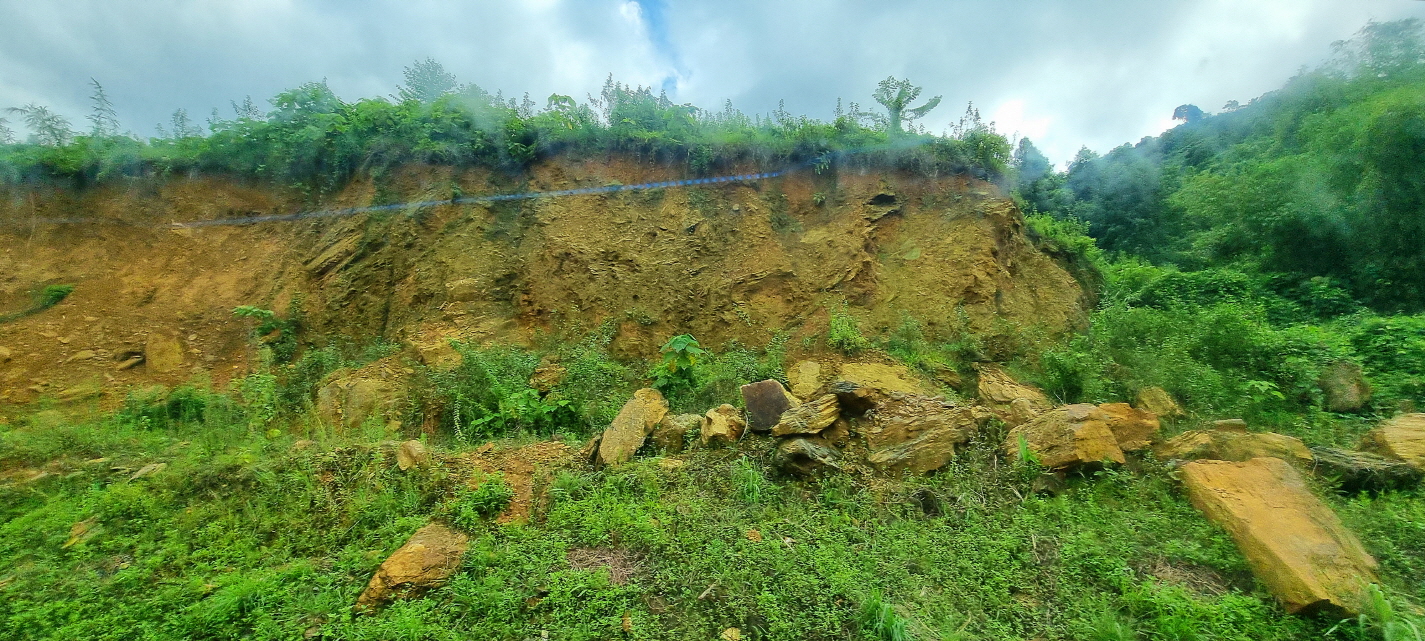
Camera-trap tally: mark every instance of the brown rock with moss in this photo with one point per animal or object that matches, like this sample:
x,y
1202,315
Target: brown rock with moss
x,y
1158,401
632,426
1401,438
1294,543
426,561
1344,386
808,418
671,436
1067,436
766,401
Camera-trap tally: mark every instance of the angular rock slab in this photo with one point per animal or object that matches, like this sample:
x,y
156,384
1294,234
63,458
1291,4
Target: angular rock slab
x,y
633,424
672,433
1363,471
427,559
1233,444
918,434
1401,438
999,391
808,418
1067,436
805,378
805,458
1295,544
766,401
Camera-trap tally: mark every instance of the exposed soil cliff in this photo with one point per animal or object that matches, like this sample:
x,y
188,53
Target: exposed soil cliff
x,y
737,261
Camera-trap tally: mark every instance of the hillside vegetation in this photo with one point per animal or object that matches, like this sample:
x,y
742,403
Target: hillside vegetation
x,y
394,371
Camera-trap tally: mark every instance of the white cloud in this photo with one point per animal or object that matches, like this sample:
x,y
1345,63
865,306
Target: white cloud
x,y
1094,72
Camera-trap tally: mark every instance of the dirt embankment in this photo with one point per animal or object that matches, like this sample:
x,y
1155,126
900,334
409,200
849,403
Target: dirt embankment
x,y
736,261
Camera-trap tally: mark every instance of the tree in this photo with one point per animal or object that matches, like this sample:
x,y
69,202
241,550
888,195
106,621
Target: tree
x,y
1188,113
426,81
49,128
246,110
183,126
1382,49
896,96
6,135
102,117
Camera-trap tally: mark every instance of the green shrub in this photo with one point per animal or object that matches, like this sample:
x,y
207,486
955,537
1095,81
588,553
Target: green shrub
x,y
879,620
843,332
472,506
44,299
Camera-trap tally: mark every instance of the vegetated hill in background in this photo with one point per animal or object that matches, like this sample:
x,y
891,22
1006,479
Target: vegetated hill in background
x,y
733,262
1317,187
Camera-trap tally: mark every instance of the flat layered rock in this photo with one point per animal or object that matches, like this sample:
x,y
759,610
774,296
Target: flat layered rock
x,y
999,391
635,421
1295,544
427,560
808,418
1133,429
1067,436
1363,471
806,458
1158,401
1233,444
1401,438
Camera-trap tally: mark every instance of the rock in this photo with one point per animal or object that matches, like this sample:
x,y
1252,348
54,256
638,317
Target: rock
x,y
723,425
886,379
1158,401
805,378
427,559
547,376
917,434
80,392
1067,436
802,457
1401,438
148,470
1230,424
1294,543
1344,386
346,402
5,355
671,436
464,290
633,424
81,355
1363,471
162,352
766,400
411,454
1021,411
1134,429
1232,445
998,390
303,444
808,418
129,363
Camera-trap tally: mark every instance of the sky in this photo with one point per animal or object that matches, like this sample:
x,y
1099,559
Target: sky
x,y
1065,73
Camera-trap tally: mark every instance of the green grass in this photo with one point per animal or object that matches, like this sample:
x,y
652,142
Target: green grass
x,y
242,537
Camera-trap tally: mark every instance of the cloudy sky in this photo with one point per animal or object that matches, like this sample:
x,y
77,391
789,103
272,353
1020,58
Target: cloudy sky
x,y
1065,73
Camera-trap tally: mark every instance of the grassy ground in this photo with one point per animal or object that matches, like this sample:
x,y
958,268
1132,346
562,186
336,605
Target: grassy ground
x,y
240,536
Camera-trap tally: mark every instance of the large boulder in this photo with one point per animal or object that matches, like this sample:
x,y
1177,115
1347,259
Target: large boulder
x,y
1067,436
1344,386
724,425
1158,401
1401,438
428,558
808,418
635,421
1133,429
672,433
999,391
883,378
1295,544
917,433
766,401
1362,471
1232,444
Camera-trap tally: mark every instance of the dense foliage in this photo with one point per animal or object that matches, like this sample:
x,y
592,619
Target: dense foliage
x,y
1317,184
312,138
